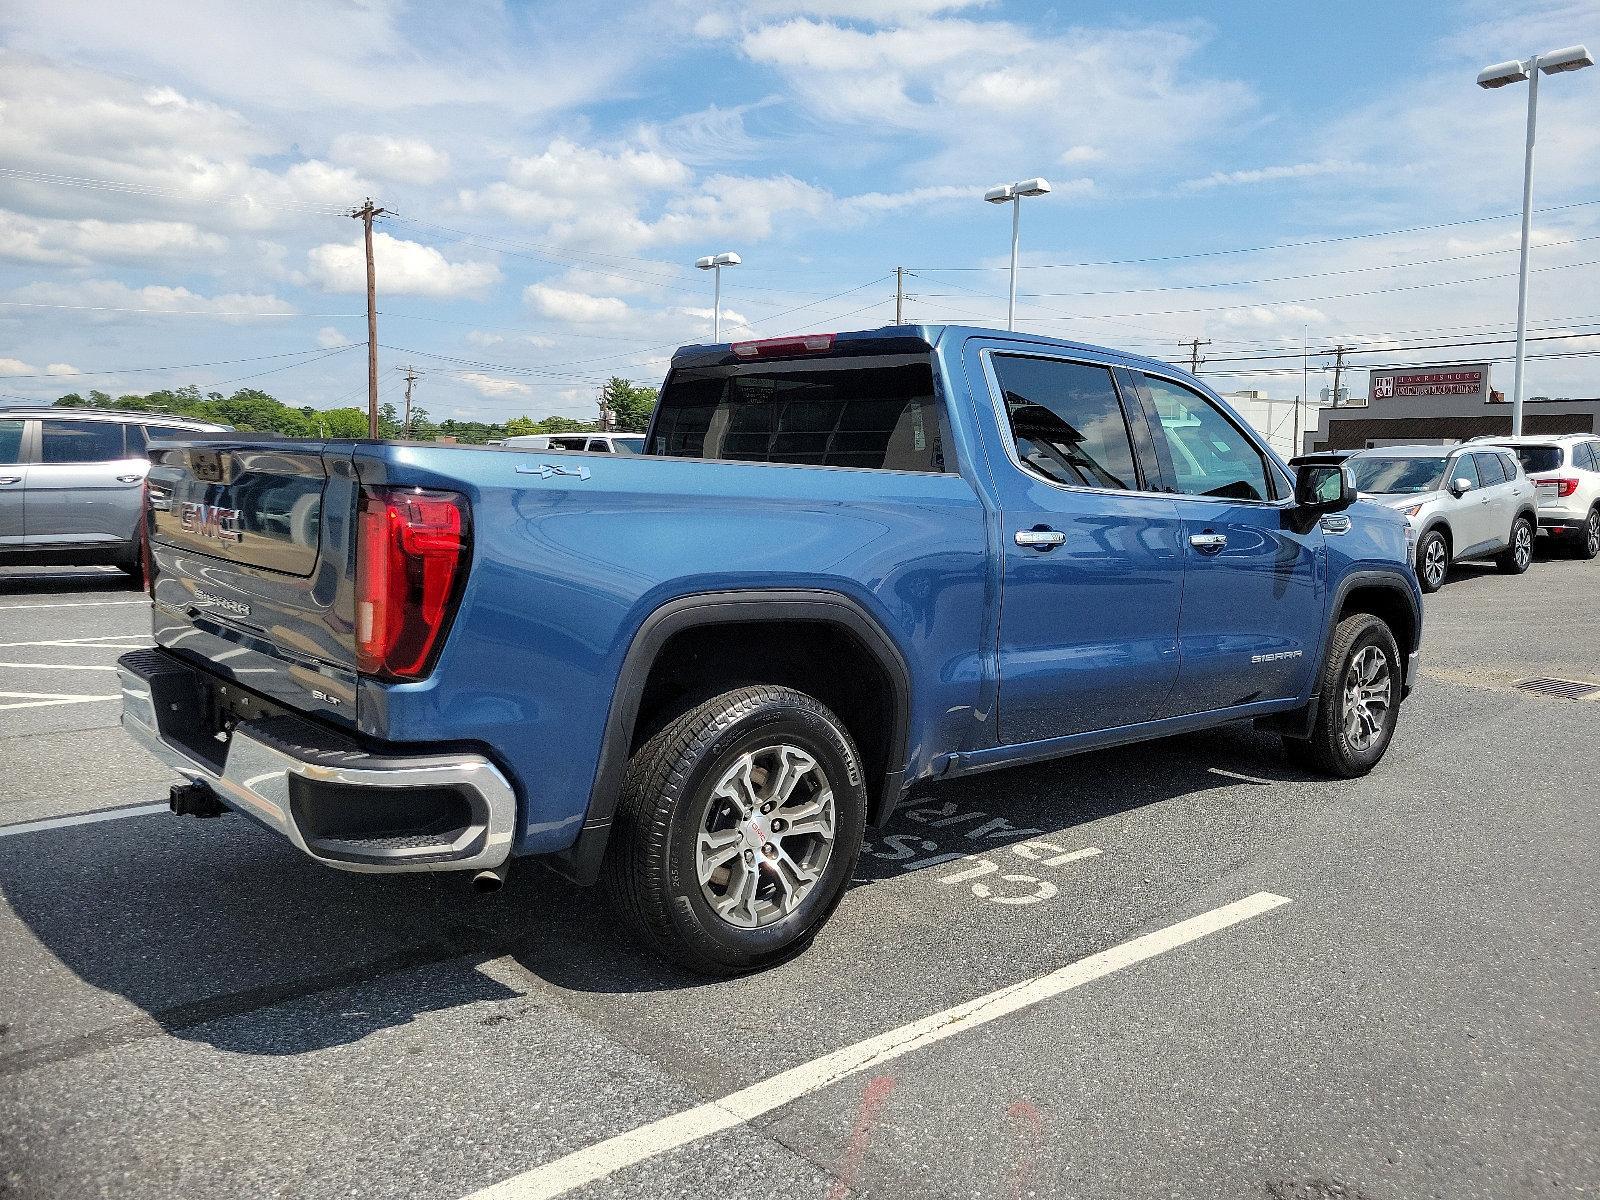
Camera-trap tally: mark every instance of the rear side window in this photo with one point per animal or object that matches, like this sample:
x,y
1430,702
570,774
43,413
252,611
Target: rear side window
x,y
1490,469
1539,458
872,412
1067,422
1587,459
1509,464
81,441
10,441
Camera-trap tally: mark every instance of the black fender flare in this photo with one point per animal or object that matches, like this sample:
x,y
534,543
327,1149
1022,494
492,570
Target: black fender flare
x,y
581,863
1299,722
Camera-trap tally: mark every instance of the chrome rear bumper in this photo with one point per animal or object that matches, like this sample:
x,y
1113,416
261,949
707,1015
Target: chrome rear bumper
x,y
335,801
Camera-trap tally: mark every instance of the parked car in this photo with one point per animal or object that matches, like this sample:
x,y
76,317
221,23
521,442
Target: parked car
x,y
700,673
71,481
1565,470
1463,502
594,443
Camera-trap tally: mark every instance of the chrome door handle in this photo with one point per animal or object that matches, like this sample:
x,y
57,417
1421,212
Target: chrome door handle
x,y
1040,539
129,478
4,479
1208,543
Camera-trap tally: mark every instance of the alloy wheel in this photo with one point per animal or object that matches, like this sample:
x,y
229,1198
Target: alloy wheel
x,y
766,837
1522,541
1368,694
1434,562
1591,534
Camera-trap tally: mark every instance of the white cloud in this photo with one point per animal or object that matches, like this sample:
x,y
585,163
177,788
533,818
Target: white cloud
x,y
15,366
108,299
493,386
404,160
1305,170
560,304
61,369
86,242
329,337
401,268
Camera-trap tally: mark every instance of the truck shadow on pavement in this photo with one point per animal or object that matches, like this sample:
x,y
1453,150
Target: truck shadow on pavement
x,y
32,581
221,934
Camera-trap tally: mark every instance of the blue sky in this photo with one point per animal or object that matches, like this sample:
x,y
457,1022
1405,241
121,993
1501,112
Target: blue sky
x,y
173,175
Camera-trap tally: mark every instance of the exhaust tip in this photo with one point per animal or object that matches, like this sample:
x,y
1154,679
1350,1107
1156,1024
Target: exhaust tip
x,y
485,882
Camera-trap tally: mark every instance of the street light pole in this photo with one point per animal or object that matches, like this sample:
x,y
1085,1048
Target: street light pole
x,y
1573,58
714,263
1012,194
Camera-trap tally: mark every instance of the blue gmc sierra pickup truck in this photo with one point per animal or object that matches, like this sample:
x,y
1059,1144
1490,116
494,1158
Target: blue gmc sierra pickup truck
x,y
845,564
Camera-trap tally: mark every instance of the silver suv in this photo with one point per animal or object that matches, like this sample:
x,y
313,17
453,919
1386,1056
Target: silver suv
x,y
72,481
1565,470
1462,502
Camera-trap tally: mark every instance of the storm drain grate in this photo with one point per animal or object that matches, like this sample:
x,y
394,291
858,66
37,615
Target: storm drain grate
x,y
1567,689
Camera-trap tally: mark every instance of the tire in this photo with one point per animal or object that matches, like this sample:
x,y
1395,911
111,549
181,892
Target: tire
x,y
1587,544
1342,743
1518,555
710,771
1433,560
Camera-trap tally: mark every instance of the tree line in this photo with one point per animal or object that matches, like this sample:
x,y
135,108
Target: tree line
x,y
252,410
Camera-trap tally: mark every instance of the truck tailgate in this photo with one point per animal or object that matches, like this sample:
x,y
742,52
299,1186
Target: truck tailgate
x,y
251,547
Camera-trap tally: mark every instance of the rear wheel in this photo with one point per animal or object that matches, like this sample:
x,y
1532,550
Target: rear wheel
x,y
1587,543
739,825
1358,701
1433,560
1517,556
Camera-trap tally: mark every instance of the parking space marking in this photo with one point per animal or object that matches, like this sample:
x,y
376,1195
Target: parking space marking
x,y
105,641
105,814
46,699
595,1162
74,604
59,666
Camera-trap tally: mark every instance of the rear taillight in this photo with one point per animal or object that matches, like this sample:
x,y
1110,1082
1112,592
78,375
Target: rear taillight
x,y
1564,486
412,549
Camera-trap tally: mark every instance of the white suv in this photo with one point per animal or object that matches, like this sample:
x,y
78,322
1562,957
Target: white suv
x,y
1566,471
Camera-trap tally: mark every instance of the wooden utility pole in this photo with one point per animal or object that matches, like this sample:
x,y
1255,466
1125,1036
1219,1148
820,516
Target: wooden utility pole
x,y
365,215
1338,370
1195,360
411,378
899,294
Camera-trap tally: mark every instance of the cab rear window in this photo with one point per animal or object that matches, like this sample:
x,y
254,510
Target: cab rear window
x,y
871,412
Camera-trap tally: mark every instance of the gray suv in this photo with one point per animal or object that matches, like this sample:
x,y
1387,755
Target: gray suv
x,y
72,483
1462,502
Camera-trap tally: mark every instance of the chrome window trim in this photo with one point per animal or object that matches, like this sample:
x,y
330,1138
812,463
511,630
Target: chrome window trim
x,y
1009,441
997,406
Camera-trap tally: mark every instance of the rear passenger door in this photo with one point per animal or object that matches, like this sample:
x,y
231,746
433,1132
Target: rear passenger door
x,y
1497,497
13,478
1253,592
1092,570
85,484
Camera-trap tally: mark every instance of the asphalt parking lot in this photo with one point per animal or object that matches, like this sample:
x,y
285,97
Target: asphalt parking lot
x,y
1294,988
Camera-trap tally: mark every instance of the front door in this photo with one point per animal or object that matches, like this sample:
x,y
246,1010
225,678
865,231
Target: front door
x,y
1498,498
13,479
1253,590
1092,568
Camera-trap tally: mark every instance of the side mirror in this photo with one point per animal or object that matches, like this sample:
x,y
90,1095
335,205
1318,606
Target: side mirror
x,y
1323,487
1460,487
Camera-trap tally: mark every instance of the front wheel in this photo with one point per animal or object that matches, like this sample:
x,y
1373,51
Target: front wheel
x,y
738,827
1358,700
1433,560
1517,556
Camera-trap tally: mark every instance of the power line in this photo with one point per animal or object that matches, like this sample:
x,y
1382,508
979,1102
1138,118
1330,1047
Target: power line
x,y
221,362
1353,237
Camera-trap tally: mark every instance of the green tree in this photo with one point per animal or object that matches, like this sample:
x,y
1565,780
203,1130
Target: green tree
x,y
630,404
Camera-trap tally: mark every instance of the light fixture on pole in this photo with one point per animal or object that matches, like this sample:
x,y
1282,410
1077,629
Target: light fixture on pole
x,y
1573,58
1012,194
714,263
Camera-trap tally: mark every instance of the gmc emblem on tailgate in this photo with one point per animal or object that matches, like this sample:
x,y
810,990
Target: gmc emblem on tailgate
x,y
212,521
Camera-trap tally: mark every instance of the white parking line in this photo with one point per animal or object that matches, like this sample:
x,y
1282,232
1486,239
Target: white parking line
x,y
74,604
59,666
110,814
46,699
595,1162
104,641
